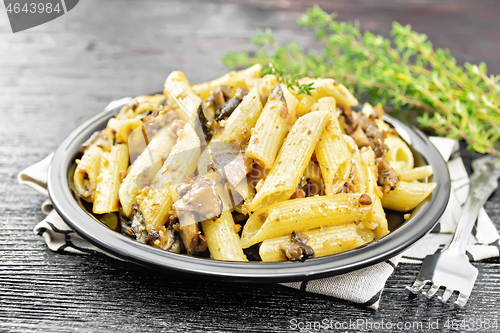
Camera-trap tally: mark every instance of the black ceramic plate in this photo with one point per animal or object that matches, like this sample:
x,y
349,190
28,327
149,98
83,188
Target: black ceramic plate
x,y
422,220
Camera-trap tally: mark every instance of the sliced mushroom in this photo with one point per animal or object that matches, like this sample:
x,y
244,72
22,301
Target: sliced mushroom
x,y
360,138
203,126
138,225
229,108
199,196
297,249
198,201
387,177
189,231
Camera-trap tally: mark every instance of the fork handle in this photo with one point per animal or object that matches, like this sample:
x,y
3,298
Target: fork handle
x,y
480,188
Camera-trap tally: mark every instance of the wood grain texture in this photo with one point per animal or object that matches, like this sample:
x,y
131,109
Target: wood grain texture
x,y
56,75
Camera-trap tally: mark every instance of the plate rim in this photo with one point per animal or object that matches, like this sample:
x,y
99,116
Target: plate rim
x,y
122,247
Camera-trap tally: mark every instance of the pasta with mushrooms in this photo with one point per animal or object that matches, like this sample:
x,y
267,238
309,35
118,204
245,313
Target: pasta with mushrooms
x,y
243,164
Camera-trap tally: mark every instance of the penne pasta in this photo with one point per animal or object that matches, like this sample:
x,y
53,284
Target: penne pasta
x,y
113,169
123,128
237,129
284,217
243,194
377,215
222,238
205,161
156,205
332,151
323,241
376,219
182,160
292,159
87,172
358,172
234,79
272,126
399,154
417,173
332,88
178,91
367,158
156,200
265,86
239,125
140,104
407,196
305,104
146,166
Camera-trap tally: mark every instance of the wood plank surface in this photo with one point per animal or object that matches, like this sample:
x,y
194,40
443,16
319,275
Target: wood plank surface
x,y
55,76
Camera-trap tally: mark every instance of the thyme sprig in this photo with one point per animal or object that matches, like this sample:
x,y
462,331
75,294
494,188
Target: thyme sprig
x,y
291,81
402,72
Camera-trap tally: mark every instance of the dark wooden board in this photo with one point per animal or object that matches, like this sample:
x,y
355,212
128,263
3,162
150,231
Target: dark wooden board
x,y
56,75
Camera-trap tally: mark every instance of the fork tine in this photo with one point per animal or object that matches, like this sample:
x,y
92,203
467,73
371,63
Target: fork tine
x,y
461,300
416,287
432,291
446,295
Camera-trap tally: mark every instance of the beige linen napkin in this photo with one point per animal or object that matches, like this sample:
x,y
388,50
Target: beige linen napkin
x,y
363,286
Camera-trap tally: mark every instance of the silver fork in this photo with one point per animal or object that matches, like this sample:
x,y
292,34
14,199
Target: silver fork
x,y
451,268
